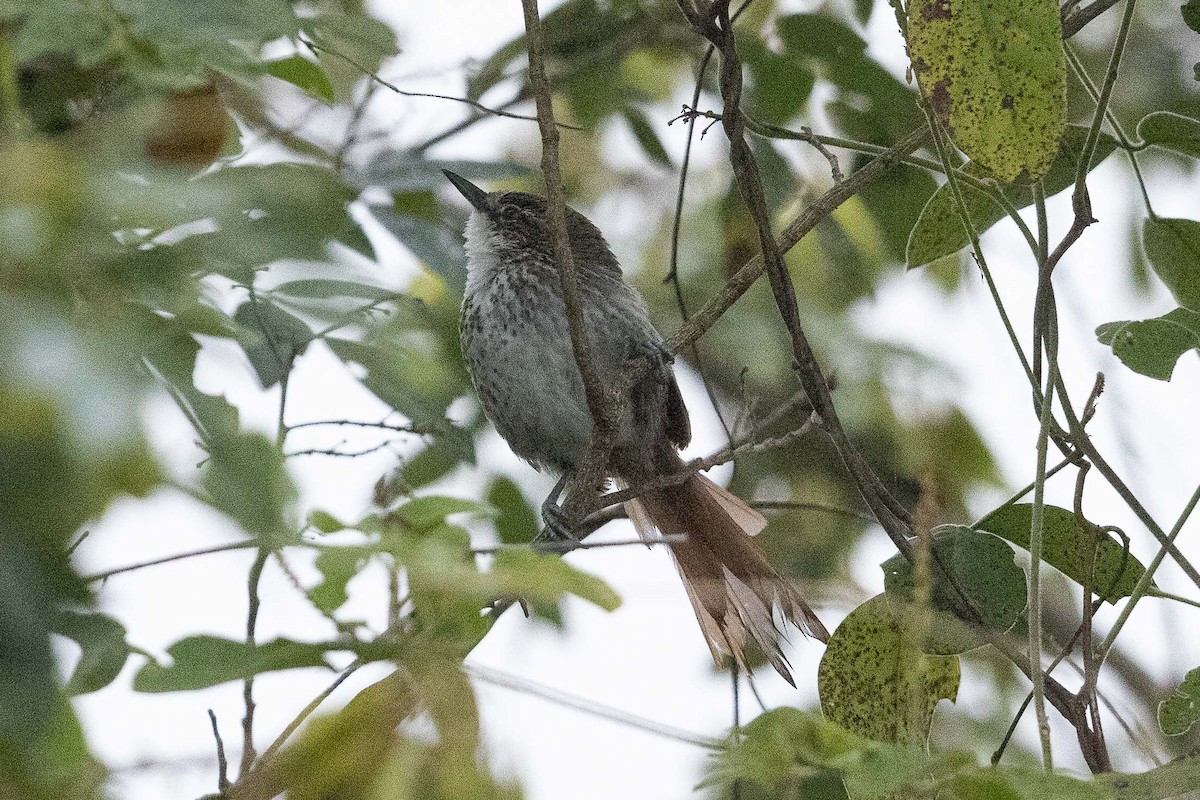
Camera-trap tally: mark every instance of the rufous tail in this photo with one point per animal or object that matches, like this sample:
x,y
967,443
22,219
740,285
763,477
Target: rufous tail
x,y
733,588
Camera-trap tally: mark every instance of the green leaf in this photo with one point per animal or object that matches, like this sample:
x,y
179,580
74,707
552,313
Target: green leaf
x,y
1064,547
993,71
1173,250
27,692
178,41
1179,712
643,131
516,523
438,247
452,446
423,513
1191,14
351,46
400,171
325,522
60,26
820,37
328,289
337,566
202,661
275,338
781,743
267,213
101,640
780,85
870,683
939,230
981,566
303,74
406,377
543,580
247,480
1171,131
1153,346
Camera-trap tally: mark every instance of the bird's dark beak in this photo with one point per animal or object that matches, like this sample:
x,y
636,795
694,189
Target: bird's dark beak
x,y
475,196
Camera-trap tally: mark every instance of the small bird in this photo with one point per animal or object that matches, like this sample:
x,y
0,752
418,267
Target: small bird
x,y
518,351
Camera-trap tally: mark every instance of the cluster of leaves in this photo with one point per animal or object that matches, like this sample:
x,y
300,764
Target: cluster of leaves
x,y
793,754
118,262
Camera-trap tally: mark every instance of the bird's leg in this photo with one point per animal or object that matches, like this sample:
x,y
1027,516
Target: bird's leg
x,y
557,529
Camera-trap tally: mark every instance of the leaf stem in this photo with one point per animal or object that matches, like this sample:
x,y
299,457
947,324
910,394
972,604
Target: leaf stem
x,y
1146,581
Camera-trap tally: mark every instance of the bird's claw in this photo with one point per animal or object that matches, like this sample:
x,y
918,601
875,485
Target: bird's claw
x,y
557,531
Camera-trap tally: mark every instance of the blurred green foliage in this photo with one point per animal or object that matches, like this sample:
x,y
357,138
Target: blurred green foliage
x,y
137,221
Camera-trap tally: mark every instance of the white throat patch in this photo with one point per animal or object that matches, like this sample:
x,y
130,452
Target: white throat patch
x,y
482,261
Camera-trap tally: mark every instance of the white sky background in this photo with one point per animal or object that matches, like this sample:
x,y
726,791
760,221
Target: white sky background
x,y
648,657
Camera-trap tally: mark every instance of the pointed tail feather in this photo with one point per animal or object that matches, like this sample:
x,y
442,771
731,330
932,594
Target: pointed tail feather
x,y
734,590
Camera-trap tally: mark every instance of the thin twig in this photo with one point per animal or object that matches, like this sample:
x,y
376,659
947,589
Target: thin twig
x,y
1039,497
714,24
308,710
154,562
406,428
525,686
724,456
256,571
327,451
494,112
569,546
222,763
676,226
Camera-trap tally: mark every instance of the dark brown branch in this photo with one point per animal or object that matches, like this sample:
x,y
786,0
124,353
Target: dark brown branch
x,y
589,479
816,212
715,26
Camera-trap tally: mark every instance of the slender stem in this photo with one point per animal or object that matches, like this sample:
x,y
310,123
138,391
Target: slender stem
x,y
1039,496
1146,581
1127,145
1110,80
768,130
498,678
222,762
204,551
960,204
1035,596
308,710
256,571
676,225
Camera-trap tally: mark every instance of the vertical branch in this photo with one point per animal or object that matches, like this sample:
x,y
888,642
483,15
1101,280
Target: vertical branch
x,y
1042,324
256,571
1090,670
591,475
222,762
676,224
714,24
